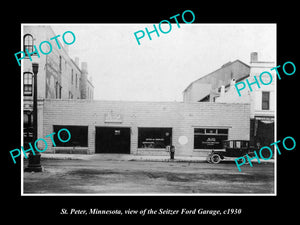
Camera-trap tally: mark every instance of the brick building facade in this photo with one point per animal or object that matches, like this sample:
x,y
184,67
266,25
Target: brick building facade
x,y
142,127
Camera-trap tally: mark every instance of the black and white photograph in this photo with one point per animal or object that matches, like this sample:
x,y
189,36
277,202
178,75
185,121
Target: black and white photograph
x,y
138,112
180,114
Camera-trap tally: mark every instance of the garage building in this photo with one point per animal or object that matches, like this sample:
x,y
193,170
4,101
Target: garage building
x,y
142,127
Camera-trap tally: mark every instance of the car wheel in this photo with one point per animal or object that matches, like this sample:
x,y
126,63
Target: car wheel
x,y
215,158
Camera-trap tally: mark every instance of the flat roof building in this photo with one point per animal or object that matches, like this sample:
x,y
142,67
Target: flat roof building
x,y
142,127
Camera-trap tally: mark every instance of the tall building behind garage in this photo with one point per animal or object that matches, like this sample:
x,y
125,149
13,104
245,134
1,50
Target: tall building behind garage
x,y
59,76
207,87
219,86
262,102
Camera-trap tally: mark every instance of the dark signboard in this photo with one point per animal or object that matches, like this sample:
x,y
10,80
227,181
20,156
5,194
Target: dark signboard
x,y
209,141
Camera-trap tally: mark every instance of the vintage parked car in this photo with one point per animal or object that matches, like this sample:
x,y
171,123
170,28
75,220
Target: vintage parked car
x,y
232,148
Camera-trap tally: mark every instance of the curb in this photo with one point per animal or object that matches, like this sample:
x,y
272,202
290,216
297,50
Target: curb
x,y
134,158
168,160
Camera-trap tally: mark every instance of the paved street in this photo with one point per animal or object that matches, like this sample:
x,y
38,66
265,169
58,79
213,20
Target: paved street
x,y
143,177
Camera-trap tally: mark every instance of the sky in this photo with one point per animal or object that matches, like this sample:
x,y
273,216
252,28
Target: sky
x,y
160,69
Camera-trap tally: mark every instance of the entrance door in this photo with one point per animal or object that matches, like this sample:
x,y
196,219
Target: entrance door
x,y
112,140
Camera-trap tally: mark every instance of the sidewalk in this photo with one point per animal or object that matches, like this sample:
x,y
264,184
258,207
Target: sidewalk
x,y
121,157
128,157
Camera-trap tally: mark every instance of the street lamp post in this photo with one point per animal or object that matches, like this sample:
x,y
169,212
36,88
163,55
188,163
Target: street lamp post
x,y
34,161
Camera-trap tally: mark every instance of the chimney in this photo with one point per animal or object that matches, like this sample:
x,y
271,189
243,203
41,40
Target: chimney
x,y
77,61
232,82
253,57
84,66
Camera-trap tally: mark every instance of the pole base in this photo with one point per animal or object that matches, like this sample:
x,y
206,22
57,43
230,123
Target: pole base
x,y
33,169
34,164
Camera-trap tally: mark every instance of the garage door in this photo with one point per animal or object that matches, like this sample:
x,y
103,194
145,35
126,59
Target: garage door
x,y
112,140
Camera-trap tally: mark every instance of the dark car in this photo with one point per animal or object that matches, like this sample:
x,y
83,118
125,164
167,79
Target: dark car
x,y
231,148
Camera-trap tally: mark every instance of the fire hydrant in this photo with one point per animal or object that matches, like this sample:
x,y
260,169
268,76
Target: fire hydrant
x,y
172,152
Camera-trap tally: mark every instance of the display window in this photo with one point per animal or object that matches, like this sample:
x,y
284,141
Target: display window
x,y
154,138
79,136
209,138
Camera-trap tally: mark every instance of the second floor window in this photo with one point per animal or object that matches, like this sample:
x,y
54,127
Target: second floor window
x,y
58,90
76,80
72,77
28,43
27,83
60,64
265,100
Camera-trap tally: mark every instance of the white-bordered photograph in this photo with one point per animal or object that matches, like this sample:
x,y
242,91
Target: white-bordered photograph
x,y
148,109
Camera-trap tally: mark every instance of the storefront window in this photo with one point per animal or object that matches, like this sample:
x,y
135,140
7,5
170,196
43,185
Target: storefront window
x,y
154,137
79,136
222,131
199,131
207,138
211,131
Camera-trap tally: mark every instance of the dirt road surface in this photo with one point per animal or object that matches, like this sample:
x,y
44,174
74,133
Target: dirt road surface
x,y
139,177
